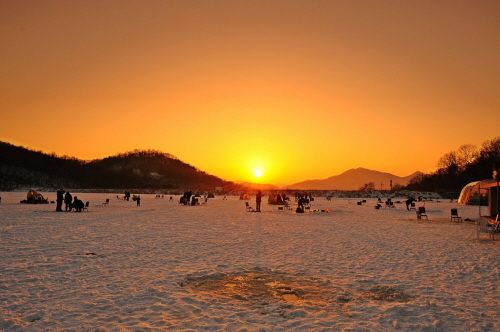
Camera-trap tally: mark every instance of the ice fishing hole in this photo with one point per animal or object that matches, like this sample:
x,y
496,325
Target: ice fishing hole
x,y
290,297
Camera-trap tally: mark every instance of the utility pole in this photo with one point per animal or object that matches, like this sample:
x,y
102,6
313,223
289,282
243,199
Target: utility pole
x,y
496,177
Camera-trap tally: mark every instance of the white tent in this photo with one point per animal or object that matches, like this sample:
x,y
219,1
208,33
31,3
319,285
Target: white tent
x,y
485,192
475,192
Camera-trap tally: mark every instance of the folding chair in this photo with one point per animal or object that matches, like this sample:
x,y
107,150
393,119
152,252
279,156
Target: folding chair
x,y
482,226
249,208
454,216
421,213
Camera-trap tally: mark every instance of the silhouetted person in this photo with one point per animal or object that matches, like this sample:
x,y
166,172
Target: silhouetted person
x,y
77,204
187,198
138,200
258,199
408,202
67,201
300,204
59,200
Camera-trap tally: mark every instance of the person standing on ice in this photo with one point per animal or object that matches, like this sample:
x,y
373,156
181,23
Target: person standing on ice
x,y
258,199
67,201
59,199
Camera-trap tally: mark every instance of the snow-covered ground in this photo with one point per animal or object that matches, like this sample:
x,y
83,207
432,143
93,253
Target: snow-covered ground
x,y
163,266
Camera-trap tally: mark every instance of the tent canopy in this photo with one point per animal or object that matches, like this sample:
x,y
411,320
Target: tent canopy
x,y
470,194
244,196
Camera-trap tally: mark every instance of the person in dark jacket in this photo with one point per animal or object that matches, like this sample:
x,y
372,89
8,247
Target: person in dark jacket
x,y
258,199
67,201
77,204
59,199
408,203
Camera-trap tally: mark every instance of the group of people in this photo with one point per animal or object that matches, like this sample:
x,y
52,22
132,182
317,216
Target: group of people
x,y
135,198
301,204
73,203
299,195
186,198
410,203
302,199
70,203
189,199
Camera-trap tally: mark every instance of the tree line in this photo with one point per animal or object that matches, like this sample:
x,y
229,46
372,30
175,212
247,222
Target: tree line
x,y
457,168
150,169
139,169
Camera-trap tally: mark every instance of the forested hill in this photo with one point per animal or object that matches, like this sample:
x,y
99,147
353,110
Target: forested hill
x,y
21,168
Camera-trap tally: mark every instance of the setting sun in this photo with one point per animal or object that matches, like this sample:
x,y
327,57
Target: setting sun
x,y
257,173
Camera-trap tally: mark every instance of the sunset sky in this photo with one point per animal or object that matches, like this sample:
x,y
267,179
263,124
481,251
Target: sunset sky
x,y
297,89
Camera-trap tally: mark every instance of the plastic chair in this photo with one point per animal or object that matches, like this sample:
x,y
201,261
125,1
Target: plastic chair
x,y
249,208
454,216
421,213
482,226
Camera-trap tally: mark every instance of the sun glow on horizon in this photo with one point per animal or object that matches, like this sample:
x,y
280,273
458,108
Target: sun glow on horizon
x,y
263,102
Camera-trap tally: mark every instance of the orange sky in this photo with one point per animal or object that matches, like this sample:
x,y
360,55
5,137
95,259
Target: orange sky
x,y
301,89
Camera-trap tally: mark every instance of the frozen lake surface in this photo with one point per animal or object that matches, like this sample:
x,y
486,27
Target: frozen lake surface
x,y
163,266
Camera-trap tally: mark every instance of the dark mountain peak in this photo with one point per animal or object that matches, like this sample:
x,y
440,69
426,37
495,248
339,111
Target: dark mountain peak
x,y
143,154
353,179
138,169
361,170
